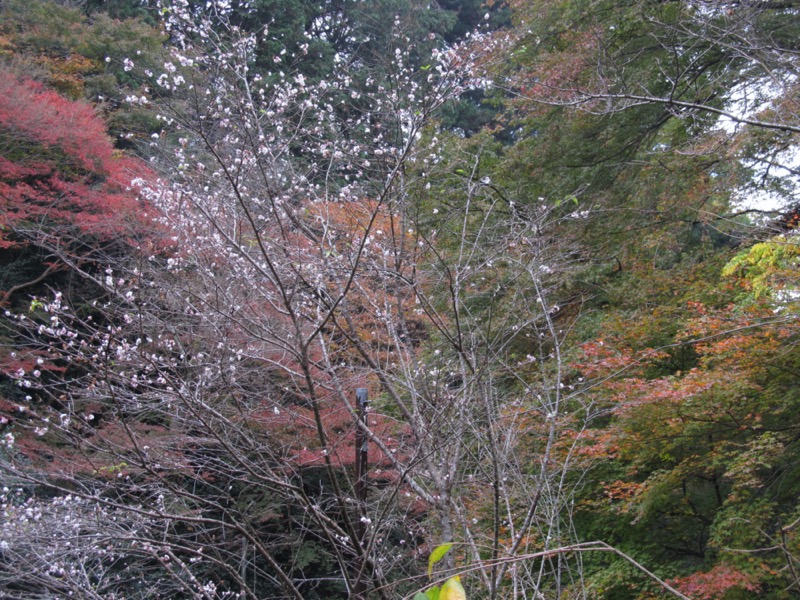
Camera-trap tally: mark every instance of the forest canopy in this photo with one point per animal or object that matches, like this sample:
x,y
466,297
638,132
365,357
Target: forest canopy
x,y
399,299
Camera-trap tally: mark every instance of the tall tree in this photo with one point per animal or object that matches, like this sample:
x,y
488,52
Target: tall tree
x,y
654,121
216,399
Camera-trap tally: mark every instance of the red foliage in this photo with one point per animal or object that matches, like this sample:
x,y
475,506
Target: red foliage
x,y
298,424
559,78
57,167
601,359
716,583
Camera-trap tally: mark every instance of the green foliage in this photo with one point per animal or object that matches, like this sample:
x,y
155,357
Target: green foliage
x,y
693,439
767,267
437,555
450,589
85,57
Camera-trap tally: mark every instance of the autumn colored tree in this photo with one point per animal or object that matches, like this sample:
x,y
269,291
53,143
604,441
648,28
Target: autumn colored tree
x,y
66,208
648,197
697,450
64,190
680,358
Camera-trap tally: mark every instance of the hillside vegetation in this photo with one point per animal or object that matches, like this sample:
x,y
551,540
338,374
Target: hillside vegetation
x,y
296,294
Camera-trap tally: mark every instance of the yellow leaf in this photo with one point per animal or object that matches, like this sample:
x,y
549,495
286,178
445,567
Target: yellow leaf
x,y
437,555
453,590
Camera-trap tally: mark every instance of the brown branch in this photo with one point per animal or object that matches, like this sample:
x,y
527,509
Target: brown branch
x,y
638,100
53,268
596,546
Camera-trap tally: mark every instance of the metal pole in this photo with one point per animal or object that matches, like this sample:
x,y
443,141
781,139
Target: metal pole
x,y
362,448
